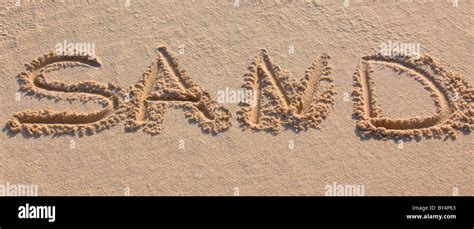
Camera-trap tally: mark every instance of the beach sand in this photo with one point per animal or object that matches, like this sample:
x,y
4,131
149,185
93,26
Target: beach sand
x,y
310,134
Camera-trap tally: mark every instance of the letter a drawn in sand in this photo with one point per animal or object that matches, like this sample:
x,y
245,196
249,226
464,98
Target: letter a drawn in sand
x,y
165,85
282,101
452,95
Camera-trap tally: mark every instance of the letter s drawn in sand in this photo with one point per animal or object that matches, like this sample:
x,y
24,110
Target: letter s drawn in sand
x,y
47,122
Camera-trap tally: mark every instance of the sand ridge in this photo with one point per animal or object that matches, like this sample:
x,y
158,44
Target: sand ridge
x,y
452,97
289,103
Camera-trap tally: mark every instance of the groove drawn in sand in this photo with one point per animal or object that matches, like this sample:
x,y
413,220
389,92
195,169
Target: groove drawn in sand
x,y
165,85
46,122
284,101
452,97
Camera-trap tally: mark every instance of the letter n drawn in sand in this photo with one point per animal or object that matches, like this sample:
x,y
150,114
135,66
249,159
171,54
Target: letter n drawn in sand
x,y
282,101
165,85
452,96
46,122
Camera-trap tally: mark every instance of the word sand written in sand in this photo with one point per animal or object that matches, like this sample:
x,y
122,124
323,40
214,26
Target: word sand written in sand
x,y
282,101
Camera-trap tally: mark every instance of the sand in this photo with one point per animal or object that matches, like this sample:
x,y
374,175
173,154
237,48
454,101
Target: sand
x,y
142,113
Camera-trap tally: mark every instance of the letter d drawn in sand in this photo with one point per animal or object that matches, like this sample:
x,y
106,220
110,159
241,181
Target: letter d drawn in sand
x,y
452,95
